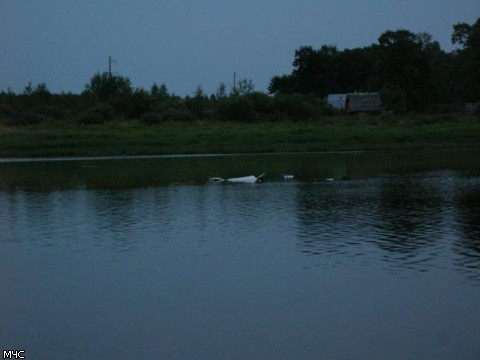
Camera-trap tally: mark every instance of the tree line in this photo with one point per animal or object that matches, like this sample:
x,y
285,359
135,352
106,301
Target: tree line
x,y
410,71
111,97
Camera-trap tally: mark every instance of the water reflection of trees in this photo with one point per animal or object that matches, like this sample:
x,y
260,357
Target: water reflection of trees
x,y
85,220
415,221
113,217
409,214
124,218
467,246
36,216
399,216
38,176
332,217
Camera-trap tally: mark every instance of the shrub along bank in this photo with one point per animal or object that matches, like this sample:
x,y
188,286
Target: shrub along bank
x,y
111,98
112,118
332,133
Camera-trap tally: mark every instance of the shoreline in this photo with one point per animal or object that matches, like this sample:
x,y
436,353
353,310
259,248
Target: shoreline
x,y
129,139
9,160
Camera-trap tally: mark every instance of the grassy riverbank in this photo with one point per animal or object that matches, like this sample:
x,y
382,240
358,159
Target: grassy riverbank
x,y
382,132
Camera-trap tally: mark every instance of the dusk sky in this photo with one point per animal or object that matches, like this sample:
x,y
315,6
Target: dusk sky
x,y
189,43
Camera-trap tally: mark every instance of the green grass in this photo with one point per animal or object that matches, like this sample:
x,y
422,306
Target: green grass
x,y
383,132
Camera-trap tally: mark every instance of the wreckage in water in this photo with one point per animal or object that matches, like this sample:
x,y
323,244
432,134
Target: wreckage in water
x,y
251,179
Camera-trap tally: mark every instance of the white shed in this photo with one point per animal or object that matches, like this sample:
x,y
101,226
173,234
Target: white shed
x,y
337,100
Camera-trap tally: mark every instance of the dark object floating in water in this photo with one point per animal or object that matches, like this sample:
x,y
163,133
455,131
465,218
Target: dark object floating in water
x,y
344,178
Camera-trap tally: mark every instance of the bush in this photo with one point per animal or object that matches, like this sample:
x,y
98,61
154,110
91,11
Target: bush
x,y
96,115
394,99
151,119
262,103
54,112
105,110
197,105
178,114
134,106
298,107
89,118
28,118
236,108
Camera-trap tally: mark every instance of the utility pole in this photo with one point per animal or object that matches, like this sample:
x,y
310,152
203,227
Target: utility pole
x,y
110,62
234,82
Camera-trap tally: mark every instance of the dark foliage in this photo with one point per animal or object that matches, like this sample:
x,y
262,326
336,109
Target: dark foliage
x,y
410,71
151,119
98,114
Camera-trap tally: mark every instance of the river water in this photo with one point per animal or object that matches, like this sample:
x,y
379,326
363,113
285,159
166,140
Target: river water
x,y
143,258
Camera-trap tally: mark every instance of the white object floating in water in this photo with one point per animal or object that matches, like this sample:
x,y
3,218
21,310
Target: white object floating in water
x,y
216,179
329,179
287,177
251,179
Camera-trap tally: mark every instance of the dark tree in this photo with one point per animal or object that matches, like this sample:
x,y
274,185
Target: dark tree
x,y
403,66
468,59
461,34
106,87
282,85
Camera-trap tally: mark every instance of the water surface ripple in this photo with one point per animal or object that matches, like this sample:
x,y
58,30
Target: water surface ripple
x,y
102,262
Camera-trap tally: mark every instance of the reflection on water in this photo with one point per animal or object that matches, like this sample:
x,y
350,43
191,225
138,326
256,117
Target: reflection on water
x,y
407,220
410,219
149,254
467,204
